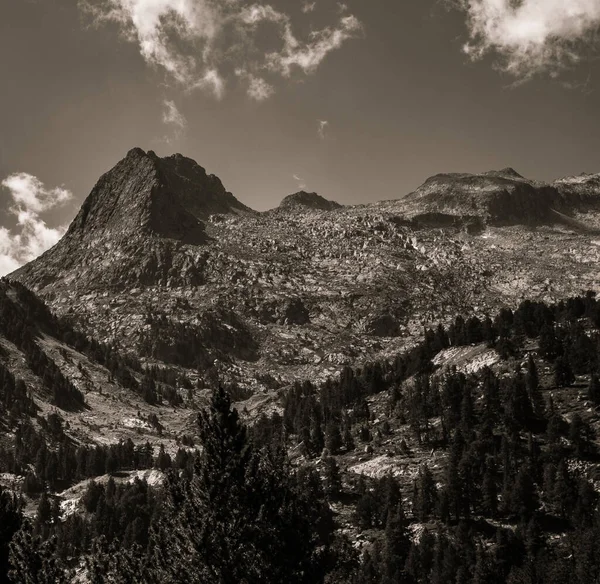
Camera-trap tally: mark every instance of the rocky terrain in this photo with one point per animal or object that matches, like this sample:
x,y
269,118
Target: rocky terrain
x,y
160,251
40,349
320,321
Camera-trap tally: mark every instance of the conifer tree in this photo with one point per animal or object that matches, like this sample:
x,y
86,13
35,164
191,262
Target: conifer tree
x,y
533,388
35,561
397,545
593,393
10,522
426,494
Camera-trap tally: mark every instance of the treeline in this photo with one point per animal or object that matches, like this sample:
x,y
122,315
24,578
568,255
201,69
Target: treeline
x,y
48,458
507,462
15,400
512,458
18,325
23,317
325,416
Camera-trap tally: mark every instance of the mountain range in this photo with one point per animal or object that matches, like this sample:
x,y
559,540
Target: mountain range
x,y
417,378
161,254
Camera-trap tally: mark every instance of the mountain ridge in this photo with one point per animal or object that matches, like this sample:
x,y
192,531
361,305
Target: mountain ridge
x,y
305,289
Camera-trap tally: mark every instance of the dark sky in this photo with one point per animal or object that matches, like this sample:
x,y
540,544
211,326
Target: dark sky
x,y
401,98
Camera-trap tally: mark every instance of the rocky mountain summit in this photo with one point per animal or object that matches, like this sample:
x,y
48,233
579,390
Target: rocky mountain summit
x,y
164,262
502,197
303,200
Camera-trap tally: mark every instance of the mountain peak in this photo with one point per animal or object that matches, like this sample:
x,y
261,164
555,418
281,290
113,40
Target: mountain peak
x,y
497,196
144,193
505,172
133,224
308,200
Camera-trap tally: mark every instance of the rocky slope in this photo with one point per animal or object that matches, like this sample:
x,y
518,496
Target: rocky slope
x,y
502,197
46,368
163,261
303,200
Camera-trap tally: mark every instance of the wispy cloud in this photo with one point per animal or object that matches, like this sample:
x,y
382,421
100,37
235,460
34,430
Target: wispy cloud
x,y
32,236
301,184
172,116
174,119
257,88
308,7
322,129
197,42
532,36
310,55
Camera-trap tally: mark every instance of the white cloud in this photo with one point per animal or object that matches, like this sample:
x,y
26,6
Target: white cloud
x,y
171,115
308,56
32,237
322,128
300,181
197,41
29,193
258,89
308,7
531,36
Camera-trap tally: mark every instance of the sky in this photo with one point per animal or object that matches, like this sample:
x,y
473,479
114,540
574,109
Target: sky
x,y
359,100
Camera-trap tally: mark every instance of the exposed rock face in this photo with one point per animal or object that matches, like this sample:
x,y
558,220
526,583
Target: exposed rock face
x,y
136,226
383,325
145,194
502,197
302,199
163,261
581,192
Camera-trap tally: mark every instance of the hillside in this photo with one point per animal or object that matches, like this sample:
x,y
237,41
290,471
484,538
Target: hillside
x,y
303,200
297,292
62,386
412,385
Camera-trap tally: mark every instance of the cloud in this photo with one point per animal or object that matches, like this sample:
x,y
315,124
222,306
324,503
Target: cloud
x,y
300,181
309,56
171,115
29,193
531,36
198,43
258,89
308,7
322,128
30,198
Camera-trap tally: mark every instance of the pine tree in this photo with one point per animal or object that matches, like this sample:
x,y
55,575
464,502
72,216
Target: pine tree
x,y
317,438
242,517
489,490
332,480
426,494
43,515
10,522
523,496
34,561
533,388
594,389
333,437
397,544
563,375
